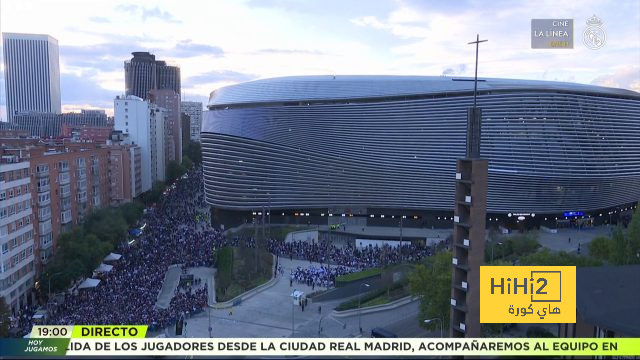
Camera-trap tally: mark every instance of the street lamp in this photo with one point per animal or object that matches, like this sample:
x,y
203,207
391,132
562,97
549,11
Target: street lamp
x,y
293,301
434,319
493,246
359,308
209,307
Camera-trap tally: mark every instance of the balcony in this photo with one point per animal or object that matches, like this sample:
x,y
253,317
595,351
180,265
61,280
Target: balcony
x,y
65,206
44,216
44,188
44,199
45,244
42,173
82,174
82,197
65,217
64,178
44,227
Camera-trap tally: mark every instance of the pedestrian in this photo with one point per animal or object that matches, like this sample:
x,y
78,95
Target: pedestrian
x,y
319,309
569,240
291,282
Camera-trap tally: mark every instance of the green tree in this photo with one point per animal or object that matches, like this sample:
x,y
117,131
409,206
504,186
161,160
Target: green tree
x,y
431,281
600,248
633,237
547,258
5,312
132,212
153,195
194,152
174,171
186,162
618,247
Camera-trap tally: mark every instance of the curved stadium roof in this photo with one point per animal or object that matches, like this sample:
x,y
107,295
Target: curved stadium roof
x,y
329,87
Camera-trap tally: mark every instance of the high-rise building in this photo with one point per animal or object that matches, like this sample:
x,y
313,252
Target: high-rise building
x,y
16,229
170,100
144,73
32,73
194,110
144,123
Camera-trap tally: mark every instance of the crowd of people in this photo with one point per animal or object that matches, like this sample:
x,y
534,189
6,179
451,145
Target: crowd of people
x,y
178,232
347,254
319,276
128,294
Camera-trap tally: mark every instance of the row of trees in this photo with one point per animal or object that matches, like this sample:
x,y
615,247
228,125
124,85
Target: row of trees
x,y
82,249
623,247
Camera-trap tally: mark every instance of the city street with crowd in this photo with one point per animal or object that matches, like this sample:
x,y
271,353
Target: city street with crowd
x,y
178,233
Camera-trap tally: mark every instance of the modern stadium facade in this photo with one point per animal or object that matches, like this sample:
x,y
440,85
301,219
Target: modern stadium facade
x,y
390,144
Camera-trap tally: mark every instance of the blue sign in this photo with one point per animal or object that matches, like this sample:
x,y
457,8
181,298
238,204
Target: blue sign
x,y
573,213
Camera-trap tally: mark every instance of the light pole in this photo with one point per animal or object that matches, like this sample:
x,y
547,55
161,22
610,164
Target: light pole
x,y
293,301
359,308
401,217
493,246
209,307
434,319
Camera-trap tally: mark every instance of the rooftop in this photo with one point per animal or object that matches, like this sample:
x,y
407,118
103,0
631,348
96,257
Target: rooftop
x,y
607,296
340,87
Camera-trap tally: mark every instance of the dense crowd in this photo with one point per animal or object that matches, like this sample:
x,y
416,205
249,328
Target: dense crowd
x,y
178,232
127,294
321,276
347,254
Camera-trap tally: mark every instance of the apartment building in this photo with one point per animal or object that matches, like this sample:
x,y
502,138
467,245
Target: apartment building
x,y
17,259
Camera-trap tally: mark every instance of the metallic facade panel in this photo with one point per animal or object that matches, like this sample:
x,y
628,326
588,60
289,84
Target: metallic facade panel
x,y
549,151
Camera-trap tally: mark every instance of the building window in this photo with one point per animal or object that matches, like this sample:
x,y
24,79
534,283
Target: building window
x,y
5,248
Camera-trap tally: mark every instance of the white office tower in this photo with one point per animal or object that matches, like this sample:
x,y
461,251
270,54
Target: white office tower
x,y
143,122
194,110
32,73
16,230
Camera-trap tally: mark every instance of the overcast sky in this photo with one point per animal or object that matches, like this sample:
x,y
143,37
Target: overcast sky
x,y
218,42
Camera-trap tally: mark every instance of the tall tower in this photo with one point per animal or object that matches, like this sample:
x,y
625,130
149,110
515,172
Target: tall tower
x,y
32,73
469,227
143,73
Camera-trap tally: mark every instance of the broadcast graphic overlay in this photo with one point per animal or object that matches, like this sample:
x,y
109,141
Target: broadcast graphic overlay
x,y
528,294
122,340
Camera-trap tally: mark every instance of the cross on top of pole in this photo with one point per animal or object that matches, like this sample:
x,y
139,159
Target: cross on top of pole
x,y
475,80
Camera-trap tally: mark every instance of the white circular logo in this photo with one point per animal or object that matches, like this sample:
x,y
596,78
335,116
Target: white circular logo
x,y
594,36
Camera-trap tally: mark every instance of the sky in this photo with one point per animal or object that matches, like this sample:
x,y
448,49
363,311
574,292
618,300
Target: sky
x,y
219,42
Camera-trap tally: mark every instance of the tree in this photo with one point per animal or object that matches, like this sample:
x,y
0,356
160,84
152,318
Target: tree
x,y
153,195
4,318
600,248
618,247
186,162
194,152
174,171
547,258
633,238
431,281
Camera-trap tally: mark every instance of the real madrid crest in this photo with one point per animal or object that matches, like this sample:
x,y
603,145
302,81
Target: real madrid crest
x,y
594,36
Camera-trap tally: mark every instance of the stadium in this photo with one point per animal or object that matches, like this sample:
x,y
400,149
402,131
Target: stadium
x,y
388,145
